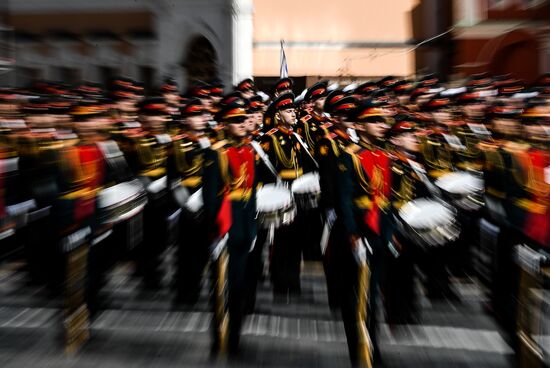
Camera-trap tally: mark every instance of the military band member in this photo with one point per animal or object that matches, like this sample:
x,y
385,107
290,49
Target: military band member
x,y
255,113
328,152
362,209
291,160
185,166
534,163
399,289
146,152
246,88
500,175
229,182
283,86
441,145
309,126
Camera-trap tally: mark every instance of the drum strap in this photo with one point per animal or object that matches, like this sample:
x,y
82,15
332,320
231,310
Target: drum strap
x,y
265,160
305,148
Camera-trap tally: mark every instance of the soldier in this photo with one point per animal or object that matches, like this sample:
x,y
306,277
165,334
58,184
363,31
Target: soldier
x,y
399,288
185,177
500,172
255,112
365,90
309,126
146,152
38,151
229,182
363,192
291,160
216,91
169,91
246,88
441,145
328,152
283,86
92,124
534,162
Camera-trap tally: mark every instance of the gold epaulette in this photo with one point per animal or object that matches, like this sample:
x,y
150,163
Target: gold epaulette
x,y
531,206
353,148
306,118
192,181
272,131
363,202
515,147
487,146
219,144
159,171
397,170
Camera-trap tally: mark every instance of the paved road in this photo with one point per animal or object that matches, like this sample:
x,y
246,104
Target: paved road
x,y
141,329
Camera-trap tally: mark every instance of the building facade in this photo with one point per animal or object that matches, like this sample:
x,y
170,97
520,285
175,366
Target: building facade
x,y
145,39
502,36
71,40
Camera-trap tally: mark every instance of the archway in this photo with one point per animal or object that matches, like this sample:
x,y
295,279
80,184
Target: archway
x,y
200,61
513,52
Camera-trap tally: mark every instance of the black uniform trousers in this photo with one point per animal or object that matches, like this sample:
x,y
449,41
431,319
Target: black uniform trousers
x,y
286,258
193,252
155,235
241,236
344,276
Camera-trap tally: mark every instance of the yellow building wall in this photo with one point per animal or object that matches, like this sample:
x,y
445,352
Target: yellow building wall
x,y
333,38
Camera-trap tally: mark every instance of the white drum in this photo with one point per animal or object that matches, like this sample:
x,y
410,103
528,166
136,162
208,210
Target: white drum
x,y
464,189
275,206
428,222
121,201
307,191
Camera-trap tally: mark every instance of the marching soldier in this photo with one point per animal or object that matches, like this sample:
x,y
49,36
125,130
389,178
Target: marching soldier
x,y
246,88
534,163
362,209
440,145
229,183
283,86
328,152
310,125
146,152
291,160
185,165
399,288
500,174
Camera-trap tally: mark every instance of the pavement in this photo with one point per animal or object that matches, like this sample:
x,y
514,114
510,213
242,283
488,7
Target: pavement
x,y
140,328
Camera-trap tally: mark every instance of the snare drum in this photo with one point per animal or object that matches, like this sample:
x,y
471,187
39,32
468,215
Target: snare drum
x,y
428,223
307,191
464,189
121,201
275,206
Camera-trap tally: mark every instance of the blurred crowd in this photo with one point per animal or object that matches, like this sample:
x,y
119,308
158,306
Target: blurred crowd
x,y
376,180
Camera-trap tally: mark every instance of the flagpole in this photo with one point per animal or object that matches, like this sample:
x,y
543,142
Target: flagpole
x,y
283,70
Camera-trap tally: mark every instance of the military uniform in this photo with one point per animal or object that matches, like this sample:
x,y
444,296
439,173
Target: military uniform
x,y
328,151
146,153
499,231
291,161
229,193
363,209
185,175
